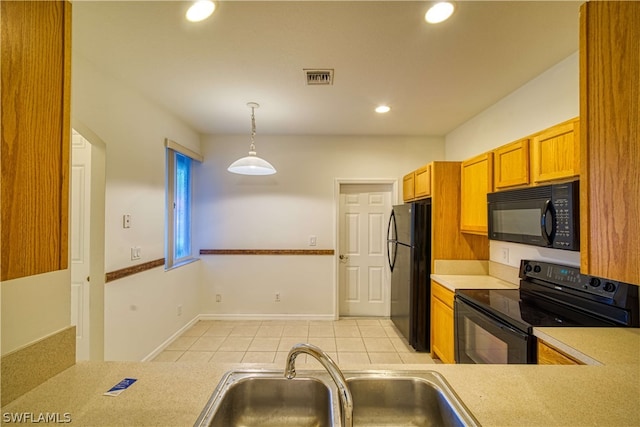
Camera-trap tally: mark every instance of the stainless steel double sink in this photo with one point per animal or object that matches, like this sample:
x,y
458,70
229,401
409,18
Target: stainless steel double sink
x,y
380,398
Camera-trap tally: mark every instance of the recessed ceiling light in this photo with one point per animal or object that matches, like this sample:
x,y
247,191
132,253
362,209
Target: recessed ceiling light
x,y
200,10
383,109
439,12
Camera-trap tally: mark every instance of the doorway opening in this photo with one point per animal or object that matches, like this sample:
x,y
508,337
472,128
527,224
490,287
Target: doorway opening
x,y
87,212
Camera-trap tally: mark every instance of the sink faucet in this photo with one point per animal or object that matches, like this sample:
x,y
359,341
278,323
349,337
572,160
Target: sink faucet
x,y
346,399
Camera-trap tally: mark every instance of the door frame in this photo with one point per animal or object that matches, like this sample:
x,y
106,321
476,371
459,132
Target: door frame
x,y
96,239
338,182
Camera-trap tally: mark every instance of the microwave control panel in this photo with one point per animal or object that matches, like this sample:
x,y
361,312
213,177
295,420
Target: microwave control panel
x,y
564,198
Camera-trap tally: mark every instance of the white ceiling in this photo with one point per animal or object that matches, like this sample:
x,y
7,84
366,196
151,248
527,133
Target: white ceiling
x,y
435,77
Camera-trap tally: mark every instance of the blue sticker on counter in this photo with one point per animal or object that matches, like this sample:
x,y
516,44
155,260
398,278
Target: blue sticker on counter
x,y
120,387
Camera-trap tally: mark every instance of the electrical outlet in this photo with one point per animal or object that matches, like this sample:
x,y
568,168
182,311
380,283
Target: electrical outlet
x,y
218,298
126,221
180,310
504,255
312,240
277,296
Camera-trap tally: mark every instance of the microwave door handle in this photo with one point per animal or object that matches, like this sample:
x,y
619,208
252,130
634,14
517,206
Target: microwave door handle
x,y
548,208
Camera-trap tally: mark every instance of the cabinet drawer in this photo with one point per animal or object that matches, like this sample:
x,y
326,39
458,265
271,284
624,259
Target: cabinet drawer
x,y
442,293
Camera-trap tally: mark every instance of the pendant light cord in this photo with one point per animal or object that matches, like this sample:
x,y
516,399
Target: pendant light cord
x,y
252,147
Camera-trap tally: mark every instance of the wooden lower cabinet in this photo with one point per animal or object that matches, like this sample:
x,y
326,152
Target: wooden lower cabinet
x,y
549,355
442,331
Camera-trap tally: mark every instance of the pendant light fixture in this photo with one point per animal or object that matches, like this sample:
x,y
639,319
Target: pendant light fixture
x,y
252,164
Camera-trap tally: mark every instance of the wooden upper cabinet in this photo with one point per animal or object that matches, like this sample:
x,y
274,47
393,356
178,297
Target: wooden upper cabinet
x,y
422,184
35,87
555,152
610,139
408,187
511,167
476,182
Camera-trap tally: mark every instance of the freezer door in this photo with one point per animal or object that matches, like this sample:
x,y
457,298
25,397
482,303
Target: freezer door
x,y
403,223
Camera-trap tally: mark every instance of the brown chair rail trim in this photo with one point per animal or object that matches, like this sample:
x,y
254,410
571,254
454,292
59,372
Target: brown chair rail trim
x,y
267,251
134,269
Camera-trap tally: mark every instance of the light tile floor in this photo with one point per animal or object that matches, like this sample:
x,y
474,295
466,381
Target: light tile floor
x,y
347,341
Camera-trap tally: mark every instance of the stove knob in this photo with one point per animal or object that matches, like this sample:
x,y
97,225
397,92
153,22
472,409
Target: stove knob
x,y
528,268
594,281
609,287
537,269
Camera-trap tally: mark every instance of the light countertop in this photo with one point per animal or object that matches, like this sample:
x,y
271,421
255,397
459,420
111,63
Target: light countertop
x,y
453,282
173,394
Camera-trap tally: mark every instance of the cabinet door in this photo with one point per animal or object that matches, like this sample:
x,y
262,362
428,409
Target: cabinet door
x,y
35,83
610,135
477,181
408,187
556,153
423,182
511,167
442,335
548,355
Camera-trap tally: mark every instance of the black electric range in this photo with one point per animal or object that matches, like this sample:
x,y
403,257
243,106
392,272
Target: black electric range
x,y
496,325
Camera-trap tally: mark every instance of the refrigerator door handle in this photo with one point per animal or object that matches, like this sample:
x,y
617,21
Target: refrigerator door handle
x,y
391,259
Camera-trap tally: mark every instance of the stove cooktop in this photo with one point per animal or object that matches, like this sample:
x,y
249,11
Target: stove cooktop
x,y
524,311
558,295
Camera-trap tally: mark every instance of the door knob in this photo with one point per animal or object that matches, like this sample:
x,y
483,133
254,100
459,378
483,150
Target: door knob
x,y
343,257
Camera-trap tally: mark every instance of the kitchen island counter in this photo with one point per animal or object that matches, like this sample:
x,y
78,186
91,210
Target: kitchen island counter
x,y
173,394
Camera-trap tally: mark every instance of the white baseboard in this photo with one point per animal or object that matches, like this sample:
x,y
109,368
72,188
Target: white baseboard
x,y
169,340
199,317
266,317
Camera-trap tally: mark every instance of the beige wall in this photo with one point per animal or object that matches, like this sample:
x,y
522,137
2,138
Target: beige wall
x,y
140,312
34,307
281,212
550,98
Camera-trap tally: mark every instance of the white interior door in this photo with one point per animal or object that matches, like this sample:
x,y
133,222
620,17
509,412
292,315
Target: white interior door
x,y
362,266
80,242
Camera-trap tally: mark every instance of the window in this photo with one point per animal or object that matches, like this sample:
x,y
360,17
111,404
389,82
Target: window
x,y
179,203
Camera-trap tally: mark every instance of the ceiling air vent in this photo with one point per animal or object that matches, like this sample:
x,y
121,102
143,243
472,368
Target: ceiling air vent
x,y
317,77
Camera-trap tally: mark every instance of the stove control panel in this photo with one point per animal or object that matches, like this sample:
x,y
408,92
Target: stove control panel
x,y
562,276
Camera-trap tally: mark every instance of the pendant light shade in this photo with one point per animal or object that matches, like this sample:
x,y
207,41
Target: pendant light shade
x,y
252,164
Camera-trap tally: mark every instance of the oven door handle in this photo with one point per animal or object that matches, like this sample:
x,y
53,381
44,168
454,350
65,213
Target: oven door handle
x,y
503,327
482,316
548,209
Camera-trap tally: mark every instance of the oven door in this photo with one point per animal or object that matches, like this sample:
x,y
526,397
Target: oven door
x,y
482,339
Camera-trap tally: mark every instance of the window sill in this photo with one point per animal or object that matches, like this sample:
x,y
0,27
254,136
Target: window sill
x,y
181,263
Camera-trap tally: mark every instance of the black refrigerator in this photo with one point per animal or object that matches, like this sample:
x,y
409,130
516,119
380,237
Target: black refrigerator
x,y
409,257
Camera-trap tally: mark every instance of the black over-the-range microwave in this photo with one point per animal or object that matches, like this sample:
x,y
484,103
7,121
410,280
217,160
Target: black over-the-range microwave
x,y
545,216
